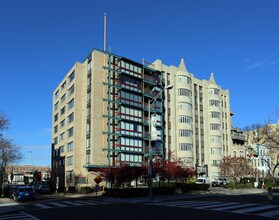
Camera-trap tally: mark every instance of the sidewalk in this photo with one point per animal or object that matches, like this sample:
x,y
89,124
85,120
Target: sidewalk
x,y
214,192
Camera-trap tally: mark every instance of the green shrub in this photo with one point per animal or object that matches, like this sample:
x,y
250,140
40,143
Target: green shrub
x,y
230,185
240,186
249,185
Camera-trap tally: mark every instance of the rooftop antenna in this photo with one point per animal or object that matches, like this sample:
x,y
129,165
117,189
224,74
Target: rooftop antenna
x,y
105,31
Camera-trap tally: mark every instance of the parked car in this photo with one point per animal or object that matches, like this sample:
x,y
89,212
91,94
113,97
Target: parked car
x,y
13,190
24,193
202,180
43,189
221,181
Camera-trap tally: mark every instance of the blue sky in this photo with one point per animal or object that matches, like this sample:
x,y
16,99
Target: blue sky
x,y
40,41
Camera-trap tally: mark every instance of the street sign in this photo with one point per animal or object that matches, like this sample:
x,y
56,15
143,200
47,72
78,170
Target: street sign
x,y
98,179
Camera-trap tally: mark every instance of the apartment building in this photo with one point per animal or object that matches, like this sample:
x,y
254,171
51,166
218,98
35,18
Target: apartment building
x,y
101,111
100,117
198,123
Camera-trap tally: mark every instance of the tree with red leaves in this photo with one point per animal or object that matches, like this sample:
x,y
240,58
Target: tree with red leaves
x,y
173,170
119,175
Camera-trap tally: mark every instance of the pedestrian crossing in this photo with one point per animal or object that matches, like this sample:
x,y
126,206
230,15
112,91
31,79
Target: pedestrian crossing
x,y
67,203
18,216
265,210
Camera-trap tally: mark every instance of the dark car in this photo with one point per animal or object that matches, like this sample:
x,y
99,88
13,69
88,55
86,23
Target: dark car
x,y
25,193
13,190
43,189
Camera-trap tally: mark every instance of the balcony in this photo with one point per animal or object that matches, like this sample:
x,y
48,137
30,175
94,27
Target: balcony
x,y
152,80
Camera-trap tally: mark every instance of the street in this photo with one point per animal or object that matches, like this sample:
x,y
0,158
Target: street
x,y
211,207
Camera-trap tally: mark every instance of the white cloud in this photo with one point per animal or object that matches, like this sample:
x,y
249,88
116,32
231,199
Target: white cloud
x,y
271,59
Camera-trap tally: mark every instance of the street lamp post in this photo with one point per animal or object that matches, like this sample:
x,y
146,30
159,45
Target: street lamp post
x,y
150,162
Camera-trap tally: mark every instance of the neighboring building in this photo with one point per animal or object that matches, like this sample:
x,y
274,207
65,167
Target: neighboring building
x,y
197,119
261,161
27,174
100,117
238,148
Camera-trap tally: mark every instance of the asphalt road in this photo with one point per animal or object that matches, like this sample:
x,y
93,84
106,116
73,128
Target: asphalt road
x,y
218,207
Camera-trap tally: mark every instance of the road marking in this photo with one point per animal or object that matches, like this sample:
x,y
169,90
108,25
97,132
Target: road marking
x,y
257,208
233,207
86,202
58,204
269,214
42,206
184,203
203,204
11,216
73,203
30,216
209,206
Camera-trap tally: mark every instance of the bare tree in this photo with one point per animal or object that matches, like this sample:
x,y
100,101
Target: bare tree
x,y
9,152
4,122
266,134
235,167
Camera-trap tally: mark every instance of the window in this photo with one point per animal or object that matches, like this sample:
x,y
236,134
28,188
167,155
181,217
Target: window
x,y
56,106
184,79
55,129
215,114
89,81
56,94
130,83
185,106
214,91
71,132
62,136
185,133
71,90
215,138
55,117
70,146
72,76
214,126
184,92
62,123
61,149
213,102
69,160
88,143
62,111
131,114
55,140
215,163
185,119
87,158
63,98
71,104
185,147
130,144
216,151
88,127
71,118
63,86
131,99
89,65
131,129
